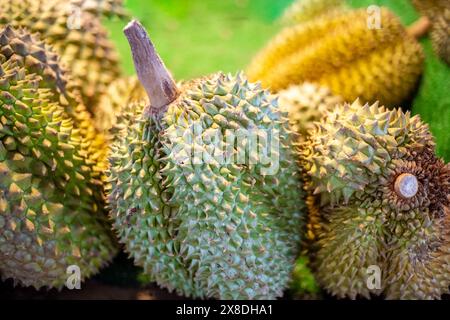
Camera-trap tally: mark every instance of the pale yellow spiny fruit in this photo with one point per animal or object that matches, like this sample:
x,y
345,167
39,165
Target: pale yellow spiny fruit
x,y
352,60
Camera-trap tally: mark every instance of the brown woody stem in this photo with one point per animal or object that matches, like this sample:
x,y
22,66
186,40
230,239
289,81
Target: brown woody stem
x,y
419,28
151,71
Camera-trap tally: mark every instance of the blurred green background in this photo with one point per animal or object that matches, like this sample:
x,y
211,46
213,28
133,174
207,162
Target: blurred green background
x,y
198,37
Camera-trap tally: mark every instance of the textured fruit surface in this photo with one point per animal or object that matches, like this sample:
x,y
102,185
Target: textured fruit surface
x,y
50,217
207,228
305,104
121,92
378,64
304,10
367,214
440,35
431,101
439,13
248,25
431,7
76,35
37,57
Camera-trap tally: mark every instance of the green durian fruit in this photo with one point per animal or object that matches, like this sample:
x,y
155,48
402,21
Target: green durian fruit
x,y
380,205
351,59
351,149
49,212
305,104
301,11
197,223
121,92
76,35
37,57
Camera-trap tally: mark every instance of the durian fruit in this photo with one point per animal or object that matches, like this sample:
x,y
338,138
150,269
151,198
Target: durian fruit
x,y
440,35
121,92
50,217
438,11
301,11
33,54
199,224
76,35
381,200
305,104
351,59
431,7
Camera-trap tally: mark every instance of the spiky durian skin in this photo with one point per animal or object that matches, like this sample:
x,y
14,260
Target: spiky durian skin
x,y
354,146
76,35
304,10
431,7
352,60
121,92
440,35
207,229
438,11
29,52
352,161
305,104
49,218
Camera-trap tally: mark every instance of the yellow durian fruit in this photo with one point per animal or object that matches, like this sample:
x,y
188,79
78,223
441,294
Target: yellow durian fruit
x,y
353,59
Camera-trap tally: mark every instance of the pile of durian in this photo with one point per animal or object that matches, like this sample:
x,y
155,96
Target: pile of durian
x,y
93,162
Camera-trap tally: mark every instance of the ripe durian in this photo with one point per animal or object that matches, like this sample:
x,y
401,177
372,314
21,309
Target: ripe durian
x,y
120,93
352,60
201,226
76,35
381,200
50,217
438,11
305,104
431,7
304,10
440,35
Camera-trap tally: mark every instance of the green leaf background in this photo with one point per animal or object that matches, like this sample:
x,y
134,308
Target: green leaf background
x,y
198,37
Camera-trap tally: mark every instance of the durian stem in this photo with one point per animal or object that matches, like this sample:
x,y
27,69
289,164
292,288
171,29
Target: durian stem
x,y
419,28
151,71
406,185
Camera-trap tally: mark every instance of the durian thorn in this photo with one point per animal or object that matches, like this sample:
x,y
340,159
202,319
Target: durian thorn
x,y
419,28
151,71
406,185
